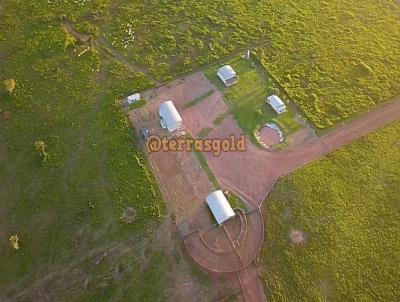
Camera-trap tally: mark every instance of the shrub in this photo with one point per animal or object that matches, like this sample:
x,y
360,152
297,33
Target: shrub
x,y
40,146
9,85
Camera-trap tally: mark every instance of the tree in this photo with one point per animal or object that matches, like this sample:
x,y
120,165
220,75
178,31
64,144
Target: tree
x,y
9,84
41,147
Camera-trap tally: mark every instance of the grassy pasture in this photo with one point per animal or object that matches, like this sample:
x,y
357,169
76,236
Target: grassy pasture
x,y
246,99
347,205
335,59
70,207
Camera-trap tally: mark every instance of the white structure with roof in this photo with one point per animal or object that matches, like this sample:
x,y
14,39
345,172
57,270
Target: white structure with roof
x,y
227,75
170,117
276,103
220,207
133,98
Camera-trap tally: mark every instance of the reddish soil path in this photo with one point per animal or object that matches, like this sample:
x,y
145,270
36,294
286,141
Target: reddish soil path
x,y
341,136
230,250
252,174
251,283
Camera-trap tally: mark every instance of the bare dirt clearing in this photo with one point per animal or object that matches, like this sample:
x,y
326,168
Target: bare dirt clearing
x,y
183,183
203,114
227,248
265,167
250,175
297,237
245,173
183,91
180,91
180,176
188,281
269,136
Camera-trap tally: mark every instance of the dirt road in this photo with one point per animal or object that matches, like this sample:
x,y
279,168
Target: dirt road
x,y
252,174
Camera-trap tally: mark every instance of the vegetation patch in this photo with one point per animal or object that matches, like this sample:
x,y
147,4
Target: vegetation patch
x,y
235,201
206,168
204,165
199,99
347,61
220,118
204,132
341,68
332,229
69,163
247,99
137,104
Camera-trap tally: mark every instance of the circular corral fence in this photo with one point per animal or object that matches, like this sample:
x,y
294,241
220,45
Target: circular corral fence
x,y
225,248
269,135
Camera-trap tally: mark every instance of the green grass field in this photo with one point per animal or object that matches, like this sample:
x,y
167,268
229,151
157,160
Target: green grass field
x,y
335,59
68,210
347,204
247,99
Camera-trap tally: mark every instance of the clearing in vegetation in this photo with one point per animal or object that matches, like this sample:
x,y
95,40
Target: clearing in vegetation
x,y
247,99
265,167
346,208
67,210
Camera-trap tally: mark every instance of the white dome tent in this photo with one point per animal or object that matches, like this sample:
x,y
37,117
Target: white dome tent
x,y
170,117
220,207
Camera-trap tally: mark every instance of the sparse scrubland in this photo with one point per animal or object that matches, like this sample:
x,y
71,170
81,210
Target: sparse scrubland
x,y
334,59
347,208
66,209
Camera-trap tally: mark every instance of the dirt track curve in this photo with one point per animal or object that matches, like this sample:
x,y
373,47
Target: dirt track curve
x,y
252,174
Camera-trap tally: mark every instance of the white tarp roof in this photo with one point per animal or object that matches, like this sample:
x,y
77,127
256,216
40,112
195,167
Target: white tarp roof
x,y
227,72
134,97
220,206
276,103
170,115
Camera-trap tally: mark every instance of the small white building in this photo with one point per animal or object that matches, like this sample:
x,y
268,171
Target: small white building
x,y
276,103
220,207
227,75
133,98
170,117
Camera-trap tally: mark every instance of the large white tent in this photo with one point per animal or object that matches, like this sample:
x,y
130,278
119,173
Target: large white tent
x,y
170,117
220,206
276,103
